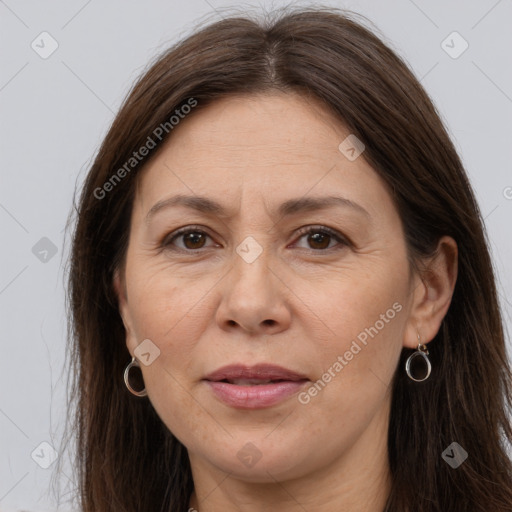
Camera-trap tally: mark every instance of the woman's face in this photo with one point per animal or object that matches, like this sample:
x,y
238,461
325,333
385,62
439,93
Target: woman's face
x,y
251,285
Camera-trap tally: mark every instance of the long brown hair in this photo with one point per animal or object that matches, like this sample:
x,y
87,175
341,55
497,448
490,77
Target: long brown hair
x,y
126,458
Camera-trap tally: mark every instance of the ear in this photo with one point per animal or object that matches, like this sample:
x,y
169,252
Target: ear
x,y
432,293
124,310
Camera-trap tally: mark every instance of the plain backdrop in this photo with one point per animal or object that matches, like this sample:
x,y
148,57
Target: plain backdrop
x,y
55,110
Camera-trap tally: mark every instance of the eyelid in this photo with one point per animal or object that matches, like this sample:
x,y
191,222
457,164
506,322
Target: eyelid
x,y
169,238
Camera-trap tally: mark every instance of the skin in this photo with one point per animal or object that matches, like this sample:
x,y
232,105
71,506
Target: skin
x,y
300,304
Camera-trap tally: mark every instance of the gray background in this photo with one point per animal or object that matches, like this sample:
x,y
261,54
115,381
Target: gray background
x,y
55,112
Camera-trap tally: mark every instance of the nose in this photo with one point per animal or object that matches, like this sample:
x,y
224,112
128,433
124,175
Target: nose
x,y
253,298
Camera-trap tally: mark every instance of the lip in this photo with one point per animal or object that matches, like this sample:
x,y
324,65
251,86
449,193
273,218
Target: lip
x,y
261,371
254,396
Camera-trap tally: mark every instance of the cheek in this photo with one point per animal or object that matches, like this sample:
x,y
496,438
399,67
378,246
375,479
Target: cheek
x,y
365,304
166,309
364,321
356,369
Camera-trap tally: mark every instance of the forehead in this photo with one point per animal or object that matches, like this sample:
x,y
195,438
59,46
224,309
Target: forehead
x,y
266,124
279,144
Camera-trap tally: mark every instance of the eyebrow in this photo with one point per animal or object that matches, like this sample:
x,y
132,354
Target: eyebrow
x,y
290,207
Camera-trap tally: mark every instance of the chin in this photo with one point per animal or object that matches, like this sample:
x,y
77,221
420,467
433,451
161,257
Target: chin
x,y
263,464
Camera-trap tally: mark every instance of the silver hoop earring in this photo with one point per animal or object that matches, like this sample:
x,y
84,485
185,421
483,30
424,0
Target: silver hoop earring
x,y
133,363
421,351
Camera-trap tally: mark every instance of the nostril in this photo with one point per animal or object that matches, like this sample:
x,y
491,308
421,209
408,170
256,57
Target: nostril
x,y
269,322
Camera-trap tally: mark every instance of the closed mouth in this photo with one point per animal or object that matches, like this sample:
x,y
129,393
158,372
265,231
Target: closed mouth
x,y
259,374
255,382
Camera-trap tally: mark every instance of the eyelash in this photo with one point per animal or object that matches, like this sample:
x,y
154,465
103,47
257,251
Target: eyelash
x,y
169,239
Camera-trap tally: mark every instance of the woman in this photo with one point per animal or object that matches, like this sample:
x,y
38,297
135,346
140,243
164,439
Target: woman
x,y
280,289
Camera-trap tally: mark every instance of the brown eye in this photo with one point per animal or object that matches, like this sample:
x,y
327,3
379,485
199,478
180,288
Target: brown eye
x,y
319,238
191,238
